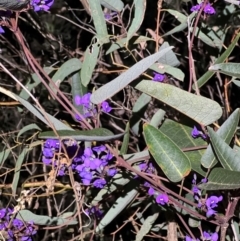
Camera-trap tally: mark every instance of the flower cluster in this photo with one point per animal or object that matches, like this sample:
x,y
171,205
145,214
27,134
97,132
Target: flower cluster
x,y
211,202
158,77
15,229
41,5
160,198
89,164
208,9
197,133
109,16
89,109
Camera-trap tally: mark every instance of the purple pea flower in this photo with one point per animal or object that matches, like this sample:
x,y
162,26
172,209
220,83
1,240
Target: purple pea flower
x,y
208,236
151,191
109,16
212,202
112,172
208,9
162,199
158,77
1,30
197,133
77,100
99,183
105,107
41,5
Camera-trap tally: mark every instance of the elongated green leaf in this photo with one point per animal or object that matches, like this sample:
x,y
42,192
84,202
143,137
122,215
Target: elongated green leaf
x,y
180,133
139,12
138,110
164,68
17,170
98,134
225,132
125,142
77,89
27,128
146,226
27,216
116,45
89,63
113,87
23,94
226,155
200,109
114,5
157,118
119,205
222,179
4,155
203,80
232,69
69,67
174,163
99,21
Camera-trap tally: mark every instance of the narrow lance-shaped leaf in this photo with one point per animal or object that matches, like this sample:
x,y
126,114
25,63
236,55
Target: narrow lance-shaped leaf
x,y
200,109
69,67
173,162
222,179
226,155
232,69
139,12
226,132
113,87
89,63
203,80
99,20
98,134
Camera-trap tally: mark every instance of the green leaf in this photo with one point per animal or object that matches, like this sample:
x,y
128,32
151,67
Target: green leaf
x,y
125,142
98,134
203,80
17,170
89,63
23,94
119,205
28,128
27,216
139,12
225,132
114,5
4,155
180,133
138,111
174,163
169,58
164,68
157,118
113,87
226,155
203,110
231,69
99,21
146,226
69,67
116,45
222,179
77,89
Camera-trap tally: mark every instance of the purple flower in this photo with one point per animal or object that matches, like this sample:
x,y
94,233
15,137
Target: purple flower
x,y
208,9
77,100
151,191
48,152
1,30
99,149
162,199
99,183
158,77
196,8
86,100
41,5
112,172
214,237
210,212
208,236
187,238
196,133
105,107
18,224
212,202
94,210
3,212
52,143
109,16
